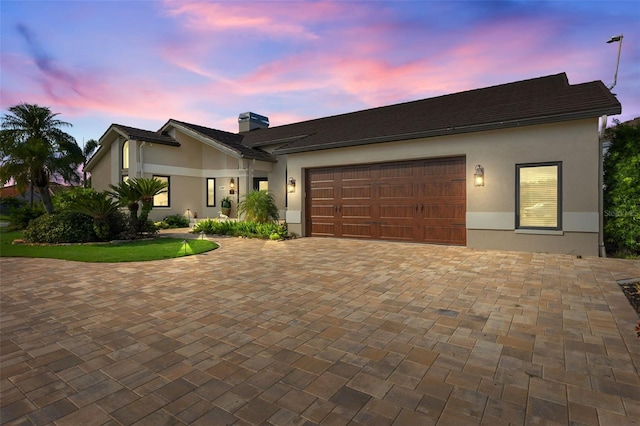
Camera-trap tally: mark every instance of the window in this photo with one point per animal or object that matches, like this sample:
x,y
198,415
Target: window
x,y
211,192
125,155
162,199
538,196
261,184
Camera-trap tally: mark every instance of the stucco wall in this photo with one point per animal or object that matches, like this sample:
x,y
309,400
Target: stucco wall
x,y
491,209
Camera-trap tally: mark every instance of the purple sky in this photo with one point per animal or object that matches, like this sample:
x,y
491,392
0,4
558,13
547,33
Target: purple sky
x,y
139,63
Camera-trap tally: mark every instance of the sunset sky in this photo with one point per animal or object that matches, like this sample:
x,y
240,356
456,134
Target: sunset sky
x,y
140,63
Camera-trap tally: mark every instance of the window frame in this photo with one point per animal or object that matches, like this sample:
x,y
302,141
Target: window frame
x,y
168,191
206,190
559,196
123,157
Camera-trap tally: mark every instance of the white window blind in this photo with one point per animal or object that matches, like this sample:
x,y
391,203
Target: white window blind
x,y
538,196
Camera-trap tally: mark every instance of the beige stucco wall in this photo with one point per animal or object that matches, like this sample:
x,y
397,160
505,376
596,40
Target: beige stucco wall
x,y
491,209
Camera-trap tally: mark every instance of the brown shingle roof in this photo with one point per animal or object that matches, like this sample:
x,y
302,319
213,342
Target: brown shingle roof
x,y
536,101
232,141
146,135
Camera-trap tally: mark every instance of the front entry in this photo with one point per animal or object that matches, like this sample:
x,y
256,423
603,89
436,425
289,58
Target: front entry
x,y
419,200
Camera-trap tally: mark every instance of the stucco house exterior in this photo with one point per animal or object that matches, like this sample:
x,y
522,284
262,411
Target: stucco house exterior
x,y
515,166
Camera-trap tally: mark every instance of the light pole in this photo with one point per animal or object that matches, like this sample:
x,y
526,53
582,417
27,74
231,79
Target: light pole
x,y
614,39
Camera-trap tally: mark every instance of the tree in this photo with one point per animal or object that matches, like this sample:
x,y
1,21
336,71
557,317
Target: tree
x,y
259,206
134,191
87,151
99,206
128,197
35,150
622,187
147,189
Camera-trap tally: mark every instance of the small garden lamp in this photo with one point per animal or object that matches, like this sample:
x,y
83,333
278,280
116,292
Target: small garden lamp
x,y
291,185
184,242
478,176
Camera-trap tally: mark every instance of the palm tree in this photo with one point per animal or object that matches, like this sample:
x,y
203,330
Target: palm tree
x,y
259,206
147,189
34,150
99,206
87,151
128,197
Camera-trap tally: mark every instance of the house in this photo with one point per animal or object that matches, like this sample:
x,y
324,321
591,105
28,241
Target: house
x,y
515,166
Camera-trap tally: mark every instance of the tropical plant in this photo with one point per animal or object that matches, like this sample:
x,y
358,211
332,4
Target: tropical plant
x,y
65,227
34,150
127,196
87,151
99,206
259,206
146,189
622,188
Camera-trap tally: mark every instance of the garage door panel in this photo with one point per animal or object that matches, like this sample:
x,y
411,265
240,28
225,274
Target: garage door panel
x,y
400,190
320,229
356,192
396,170
319,176
356,173
396,211
357,230
356,211
322,193
397,232
422,200
319,211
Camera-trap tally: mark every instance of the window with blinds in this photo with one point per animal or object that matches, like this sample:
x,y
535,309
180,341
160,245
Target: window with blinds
x,y
538,195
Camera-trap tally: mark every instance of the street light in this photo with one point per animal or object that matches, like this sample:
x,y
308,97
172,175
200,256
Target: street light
x,y
615,39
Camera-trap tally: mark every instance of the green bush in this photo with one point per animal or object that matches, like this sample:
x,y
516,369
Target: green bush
x,y
259,206
176,221
9,204
65,227
20,218
65,200
247,229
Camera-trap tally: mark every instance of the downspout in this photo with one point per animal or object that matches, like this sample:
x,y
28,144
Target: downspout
x,y
141,168
602,252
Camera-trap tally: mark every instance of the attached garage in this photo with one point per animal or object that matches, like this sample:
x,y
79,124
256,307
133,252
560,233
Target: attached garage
x,y
419,200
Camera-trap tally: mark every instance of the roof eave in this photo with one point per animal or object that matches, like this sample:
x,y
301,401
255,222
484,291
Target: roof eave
x,y
457,130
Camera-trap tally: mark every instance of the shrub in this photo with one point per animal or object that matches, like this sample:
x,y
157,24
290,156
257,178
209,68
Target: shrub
x,y
65,227
259,206
20,218
9,204
176,221
64,200
247,229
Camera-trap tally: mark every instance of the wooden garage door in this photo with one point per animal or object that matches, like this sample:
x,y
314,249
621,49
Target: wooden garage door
x,y
421,200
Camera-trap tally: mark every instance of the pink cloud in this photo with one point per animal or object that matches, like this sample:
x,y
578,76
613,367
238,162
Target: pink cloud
x,y
280,20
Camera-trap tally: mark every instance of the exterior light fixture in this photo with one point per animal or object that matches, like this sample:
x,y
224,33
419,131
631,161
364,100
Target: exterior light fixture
x,y
478,176
189,215
616,39
232,186
184,243
291,185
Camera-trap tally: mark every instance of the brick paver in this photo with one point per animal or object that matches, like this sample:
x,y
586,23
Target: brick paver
x,y
320,331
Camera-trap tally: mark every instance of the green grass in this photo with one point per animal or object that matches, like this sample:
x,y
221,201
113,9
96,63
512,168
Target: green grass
x,y
134,251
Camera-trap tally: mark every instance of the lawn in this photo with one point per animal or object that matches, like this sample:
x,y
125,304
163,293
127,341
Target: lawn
x,y
134,251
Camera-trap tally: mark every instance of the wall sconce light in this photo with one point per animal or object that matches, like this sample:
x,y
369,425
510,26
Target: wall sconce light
x,y
478,176
232,186
291,185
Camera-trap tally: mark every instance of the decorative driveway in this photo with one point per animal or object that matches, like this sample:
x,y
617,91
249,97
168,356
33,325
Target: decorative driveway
x,y
320,331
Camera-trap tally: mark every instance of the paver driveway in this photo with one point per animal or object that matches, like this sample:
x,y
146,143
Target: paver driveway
x,y
320,331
